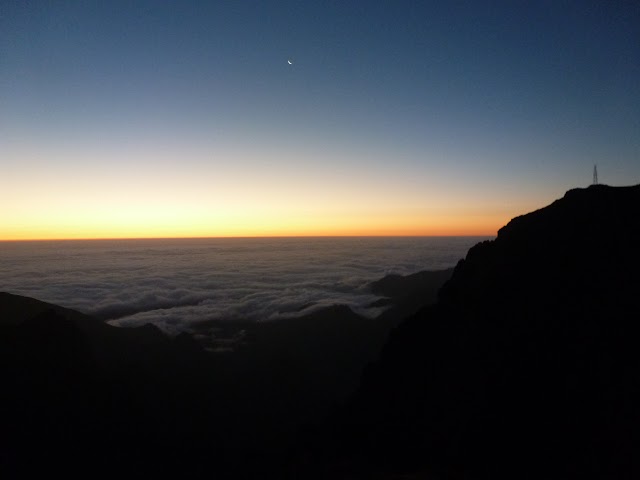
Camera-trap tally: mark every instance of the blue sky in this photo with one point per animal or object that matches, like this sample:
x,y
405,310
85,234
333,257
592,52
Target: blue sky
x,y
394,118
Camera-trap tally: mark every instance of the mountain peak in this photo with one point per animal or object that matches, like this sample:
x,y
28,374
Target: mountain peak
x,y
527,365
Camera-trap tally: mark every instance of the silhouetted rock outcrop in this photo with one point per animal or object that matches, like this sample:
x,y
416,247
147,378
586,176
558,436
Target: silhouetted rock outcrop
x,y
527,367
76,388
406,294
424,283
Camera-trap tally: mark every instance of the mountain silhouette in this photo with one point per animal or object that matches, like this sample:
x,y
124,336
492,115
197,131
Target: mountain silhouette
x,y
528,365
81,397
79,393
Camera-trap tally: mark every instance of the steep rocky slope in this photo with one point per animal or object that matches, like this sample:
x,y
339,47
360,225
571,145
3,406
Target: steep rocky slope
x,y
528,366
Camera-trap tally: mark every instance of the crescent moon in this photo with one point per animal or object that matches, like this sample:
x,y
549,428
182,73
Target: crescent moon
x,y
289,62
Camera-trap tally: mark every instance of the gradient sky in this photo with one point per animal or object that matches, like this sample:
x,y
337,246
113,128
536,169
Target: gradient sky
x,y
176,118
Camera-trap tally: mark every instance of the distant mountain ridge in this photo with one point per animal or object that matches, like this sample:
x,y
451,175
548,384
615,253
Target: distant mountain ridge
x,y
110,346
76,387
15,309
528,365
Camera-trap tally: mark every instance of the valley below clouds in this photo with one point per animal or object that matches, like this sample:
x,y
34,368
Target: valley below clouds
x,y
181,284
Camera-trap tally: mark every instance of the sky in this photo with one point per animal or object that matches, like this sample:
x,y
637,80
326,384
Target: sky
x,y
156,118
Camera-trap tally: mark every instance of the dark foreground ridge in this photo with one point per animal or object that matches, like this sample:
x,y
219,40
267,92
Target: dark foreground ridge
x,y
81,398
527,367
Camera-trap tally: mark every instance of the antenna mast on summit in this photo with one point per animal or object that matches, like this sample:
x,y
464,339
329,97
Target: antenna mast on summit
x,y
595,175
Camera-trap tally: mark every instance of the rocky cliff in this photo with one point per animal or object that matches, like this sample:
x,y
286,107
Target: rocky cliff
x,y
527,367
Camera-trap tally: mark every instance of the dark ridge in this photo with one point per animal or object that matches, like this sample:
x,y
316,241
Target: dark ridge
x,y
81,396
15,309
112,347
527,366
75,388
405,295
402,286
120,311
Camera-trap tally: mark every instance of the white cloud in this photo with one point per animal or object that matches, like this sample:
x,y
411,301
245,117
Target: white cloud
x,y
177,284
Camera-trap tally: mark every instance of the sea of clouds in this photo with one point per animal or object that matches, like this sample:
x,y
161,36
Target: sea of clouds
x,y
179,284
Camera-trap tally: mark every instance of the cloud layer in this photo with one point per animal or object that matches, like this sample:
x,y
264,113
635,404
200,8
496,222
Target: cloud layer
x,y
178,284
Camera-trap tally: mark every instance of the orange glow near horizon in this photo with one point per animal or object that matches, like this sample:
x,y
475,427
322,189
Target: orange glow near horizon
x,y
133,194
149,216
66,229
83,214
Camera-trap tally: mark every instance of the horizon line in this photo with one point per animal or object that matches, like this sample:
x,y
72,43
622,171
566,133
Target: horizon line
x,y
231,237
